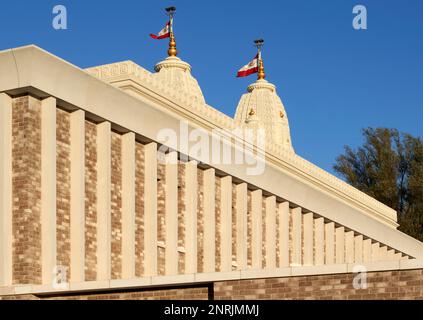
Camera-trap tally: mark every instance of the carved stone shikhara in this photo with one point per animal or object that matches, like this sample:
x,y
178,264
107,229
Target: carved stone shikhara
x,y
82,187
187,98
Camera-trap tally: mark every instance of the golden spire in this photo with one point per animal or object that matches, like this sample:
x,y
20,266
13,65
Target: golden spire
x,y
172,52
261,75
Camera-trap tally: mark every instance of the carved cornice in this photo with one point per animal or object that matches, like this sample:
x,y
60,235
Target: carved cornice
x,y
173,62
261,84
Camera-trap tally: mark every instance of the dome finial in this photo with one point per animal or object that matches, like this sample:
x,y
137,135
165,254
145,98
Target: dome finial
x,y
261,107
261,75
172,52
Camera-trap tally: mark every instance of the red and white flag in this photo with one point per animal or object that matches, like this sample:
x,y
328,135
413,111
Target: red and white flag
x,y
164,33
248,69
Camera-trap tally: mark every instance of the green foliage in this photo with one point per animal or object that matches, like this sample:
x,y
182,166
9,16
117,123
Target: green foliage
x,y
389,167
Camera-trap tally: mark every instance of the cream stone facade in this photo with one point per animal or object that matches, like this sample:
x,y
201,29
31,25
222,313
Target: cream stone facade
x,y
84,193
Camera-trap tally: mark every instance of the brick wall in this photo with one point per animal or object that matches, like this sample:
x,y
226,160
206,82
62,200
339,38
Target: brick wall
x,y
383,285
181,216
217,224
26,188
63,188
200,221
278,244
139,209
90,201
234,230
161,214
116,206
197,293
249,229
404,284
263,232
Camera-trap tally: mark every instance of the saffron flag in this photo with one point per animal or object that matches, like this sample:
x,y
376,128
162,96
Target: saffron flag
x,y
248,69
164,33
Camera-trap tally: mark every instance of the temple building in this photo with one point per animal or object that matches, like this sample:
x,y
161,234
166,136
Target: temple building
x,y
91,208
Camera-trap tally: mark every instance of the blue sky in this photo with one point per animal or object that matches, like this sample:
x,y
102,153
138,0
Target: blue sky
x,y
333,80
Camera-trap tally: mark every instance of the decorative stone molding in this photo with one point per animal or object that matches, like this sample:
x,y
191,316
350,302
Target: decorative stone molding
x,y
176,74
262,108
172,62
261,84
193,109
196,278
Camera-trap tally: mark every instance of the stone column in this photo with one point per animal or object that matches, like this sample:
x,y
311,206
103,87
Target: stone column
x,y
349,247
296,214
241,208
383,253
283,212
209,221
150,209
308,238
257,250
367,250
330,243
226,224
375,251
48,187
171,214
77,196
358,249
191,194
391,254
128,205
319,240
104,201
340,245
270,225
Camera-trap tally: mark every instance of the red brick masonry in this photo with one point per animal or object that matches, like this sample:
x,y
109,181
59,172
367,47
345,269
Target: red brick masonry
x,y
404,284
386,285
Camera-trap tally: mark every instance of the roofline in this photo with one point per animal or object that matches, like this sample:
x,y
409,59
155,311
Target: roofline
x,y
33,70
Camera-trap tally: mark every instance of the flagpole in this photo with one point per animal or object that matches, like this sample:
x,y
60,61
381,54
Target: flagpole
x,y
172,52
261,75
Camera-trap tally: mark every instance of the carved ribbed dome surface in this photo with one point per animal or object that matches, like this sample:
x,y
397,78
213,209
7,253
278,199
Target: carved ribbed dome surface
x,y
177,74
262,108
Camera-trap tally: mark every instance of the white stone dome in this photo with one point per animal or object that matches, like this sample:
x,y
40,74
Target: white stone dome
x,y
177,74
262,108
